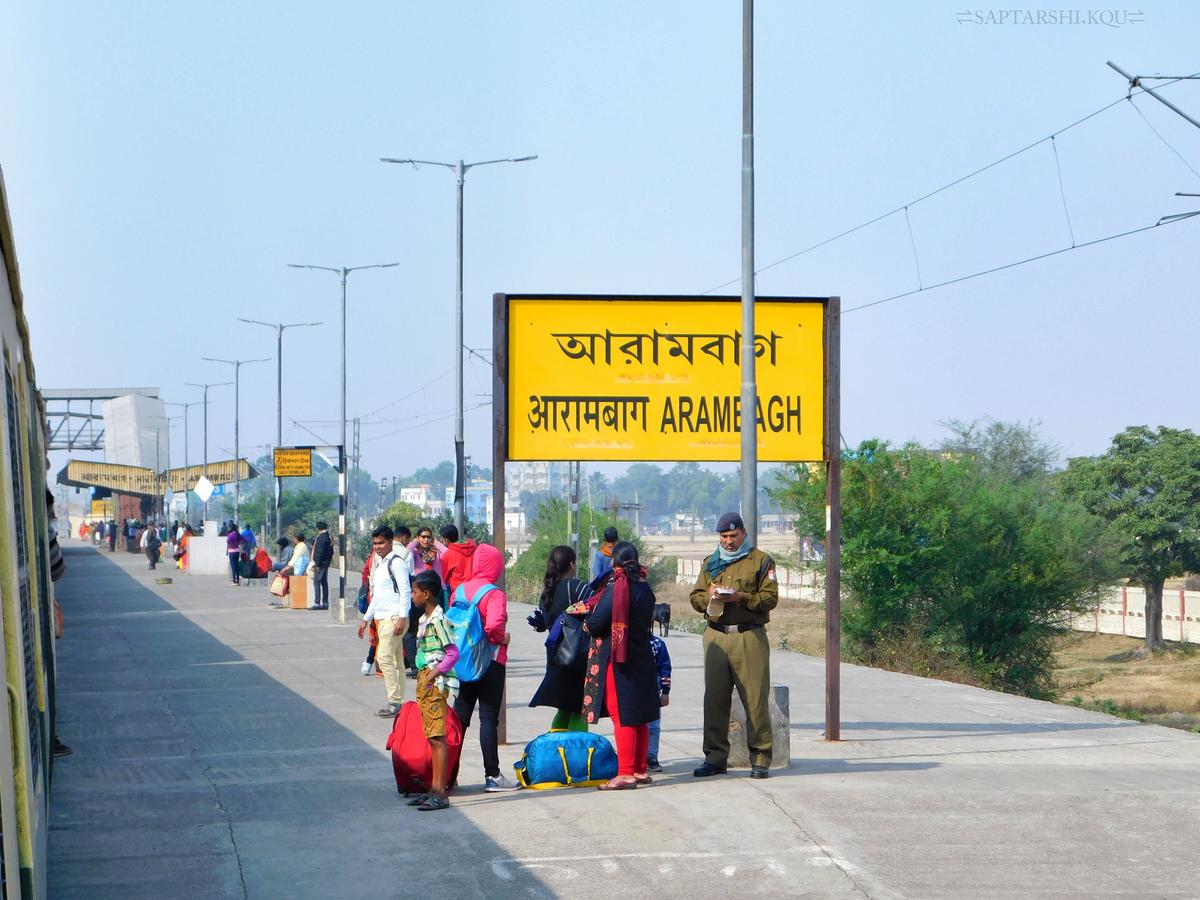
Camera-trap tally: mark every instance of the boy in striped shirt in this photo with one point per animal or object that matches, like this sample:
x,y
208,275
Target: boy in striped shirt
x,y
436,684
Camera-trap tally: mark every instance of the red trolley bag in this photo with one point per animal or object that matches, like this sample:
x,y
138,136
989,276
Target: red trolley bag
x,y
412,757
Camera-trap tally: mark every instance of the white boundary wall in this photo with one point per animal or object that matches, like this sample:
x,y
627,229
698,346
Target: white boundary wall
x,y
794,584
1122,611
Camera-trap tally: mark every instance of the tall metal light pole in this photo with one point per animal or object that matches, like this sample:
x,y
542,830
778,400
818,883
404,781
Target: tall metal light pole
x,y
749,385
460,173
237,414
279,329
205,388
344,274
187,498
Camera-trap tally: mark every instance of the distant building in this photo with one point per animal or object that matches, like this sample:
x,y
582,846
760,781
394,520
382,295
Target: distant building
x,y
135,431
477,501
778,522
538,477
418,495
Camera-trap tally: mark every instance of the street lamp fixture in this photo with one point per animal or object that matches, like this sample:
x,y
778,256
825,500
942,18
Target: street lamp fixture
x,y
237,453
187,497
460,169
279,327
205,388
343,273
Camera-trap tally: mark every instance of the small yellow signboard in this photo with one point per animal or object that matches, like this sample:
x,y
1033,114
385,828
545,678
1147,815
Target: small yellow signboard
x,y
102,509
293,462
630,378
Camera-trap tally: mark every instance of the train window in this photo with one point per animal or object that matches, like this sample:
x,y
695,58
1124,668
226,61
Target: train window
x,y
24,599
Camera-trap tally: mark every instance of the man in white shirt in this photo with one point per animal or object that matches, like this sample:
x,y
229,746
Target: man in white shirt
x,y
391,603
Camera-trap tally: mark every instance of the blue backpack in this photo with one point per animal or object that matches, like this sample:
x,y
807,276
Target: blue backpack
x,y
475,651
566,759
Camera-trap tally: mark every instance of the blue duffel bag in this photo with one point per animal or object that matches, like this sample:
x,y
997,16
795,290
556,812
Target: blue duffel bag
x,y
566,759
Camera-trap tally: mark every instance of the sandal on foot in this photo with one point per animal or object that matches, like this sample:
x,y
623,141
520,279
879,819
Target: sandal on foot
x,y
643,780
417,801
433,803
616,785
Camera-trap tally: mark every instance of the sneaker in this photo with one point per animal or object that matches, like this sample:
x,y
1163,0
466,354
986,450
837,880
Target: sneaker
x,y
498,784
653,765
366,668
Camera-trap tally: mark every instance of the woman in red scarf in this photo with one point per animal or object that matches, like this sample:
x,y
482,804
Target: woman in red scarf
x,y
621,679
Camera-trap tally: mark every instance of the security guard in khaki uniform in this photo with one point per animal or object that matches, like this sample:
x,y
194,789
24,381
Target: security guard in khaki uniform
x,y
736,592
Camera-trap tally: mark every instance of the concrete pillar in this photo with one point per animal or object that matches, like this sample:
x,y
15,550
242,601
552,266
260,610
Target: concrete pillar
x,y
781,739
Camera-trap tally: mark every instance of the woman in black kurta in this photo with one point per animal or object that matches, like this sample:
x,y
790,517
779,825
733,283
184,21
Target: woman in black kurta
x,y
561,688
625,689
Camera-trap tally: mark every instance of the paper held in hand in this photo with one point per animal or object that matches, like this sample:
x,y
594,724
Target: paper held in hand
x,y
716,606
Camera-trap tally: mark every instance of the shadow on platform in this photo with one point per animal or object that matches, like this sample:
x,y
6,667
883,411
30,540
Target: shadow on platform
x,y
197,774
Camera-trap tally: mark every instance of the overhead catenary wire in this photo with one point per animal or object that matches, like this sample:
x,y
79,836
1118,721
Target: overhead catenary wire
x,y
1019,262
432,421
1158,135
434,380
1062,191
913,241
945,187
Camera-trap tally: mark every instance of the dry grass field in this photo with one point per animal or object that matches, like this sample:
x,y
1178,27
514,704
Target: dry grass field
x,y
1103,671
795,624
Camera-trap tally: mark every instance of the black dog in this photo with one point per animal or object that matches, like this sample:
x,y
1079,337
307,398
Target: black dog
x,y
662,615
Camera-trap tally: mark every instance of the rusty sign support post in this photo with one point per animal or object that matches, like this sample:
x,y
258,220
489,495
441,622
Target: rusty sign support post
x,y
833,520
500,457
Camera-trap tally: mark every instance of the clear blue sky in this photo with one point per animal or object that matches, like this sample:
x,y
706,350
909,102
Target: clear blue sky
x,y
165,161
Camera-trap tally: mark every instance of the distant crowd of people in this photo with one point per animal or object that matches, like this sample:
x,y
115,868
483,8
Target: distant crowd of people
x,y
294,559
148,538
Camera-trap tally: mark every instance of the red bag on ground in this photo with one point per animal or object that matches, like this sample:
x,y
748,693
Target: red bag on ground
x,y
412,757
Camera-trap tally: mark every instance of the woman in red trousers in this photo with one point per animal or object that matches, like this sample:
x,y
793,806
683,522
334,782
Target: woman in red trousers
x,y
621,679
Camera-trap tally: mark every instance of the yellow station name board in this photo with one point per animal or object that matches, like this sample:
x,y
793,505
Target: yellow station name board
x,y
592,378
293,462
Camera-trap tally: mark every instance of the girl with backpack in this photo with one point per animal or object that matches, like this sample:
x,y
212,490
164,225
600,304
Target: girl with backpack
x,y
488,689
561,688
621,679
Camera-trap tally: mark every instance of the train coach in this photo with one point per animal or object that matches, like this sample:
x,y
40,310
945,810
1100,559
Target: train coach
x,y
26,598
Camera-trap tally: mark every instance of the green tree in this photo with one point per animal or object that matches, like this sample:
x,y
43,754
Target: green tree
x,y
597,484
439,477
401,513
1014,449
691,488
981,568
531,502
1147,488
549,529
648,484
301,510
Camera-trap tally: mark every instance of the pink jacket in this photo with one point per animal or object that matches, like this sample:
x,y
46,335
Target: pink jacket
x,y
493,608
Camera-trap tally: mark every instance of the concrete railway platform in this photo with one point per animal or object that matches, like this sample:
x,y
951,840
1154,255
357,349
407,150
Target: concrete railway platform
x,y
227,749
